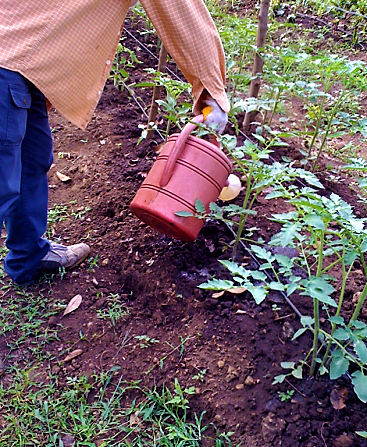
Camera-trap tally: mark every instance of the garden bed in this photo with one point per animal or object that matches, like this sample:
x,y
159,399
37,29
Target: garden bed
x,y
164,327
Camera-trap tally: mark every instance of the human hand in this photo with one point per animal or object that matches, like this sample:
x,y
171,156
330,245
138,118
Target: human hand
x,y
214,117
133,3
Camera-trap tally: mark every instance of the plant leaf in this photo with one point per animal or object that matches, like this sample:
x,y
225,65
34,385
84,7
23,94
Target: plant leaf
x,y
339,365
361,350
320,289
360,385
74,303
183,214
216,284
199,206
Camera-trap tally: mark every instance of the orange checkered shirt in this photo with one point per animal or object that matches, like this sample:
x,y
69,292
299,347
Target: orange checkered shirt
x,y
66,47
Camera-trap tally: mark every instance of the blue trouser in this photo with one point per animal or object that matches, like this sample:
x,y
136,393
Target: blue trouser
x,y
25,157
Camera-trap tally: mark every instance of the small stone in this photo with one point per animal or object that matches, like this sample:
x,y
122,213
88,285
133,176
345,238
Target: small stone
x,y
272,426
52,321
240,386
105,262
220,364
217,418
232,374
343,441
249,381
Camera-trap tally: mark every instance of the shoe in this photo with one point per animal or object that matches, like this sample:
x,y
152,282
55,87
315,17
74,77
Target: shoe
x,y
61,256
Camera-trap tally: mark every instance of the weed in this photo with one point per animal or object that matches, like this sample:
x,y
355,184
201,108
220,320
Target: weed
x,y
145,341
115,311
285,396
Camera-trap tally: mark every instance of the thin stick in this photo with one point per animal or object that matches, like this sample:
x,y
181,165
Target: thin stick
x,y
157,90
258,62
298,391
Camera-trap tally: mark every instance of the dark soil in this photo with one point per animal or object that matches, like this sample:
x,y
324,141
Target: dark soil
x,y
238,344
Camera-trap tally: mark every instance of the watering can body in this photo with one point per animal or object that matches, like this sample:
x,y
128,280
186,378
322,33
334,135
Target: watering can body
x,y
188,168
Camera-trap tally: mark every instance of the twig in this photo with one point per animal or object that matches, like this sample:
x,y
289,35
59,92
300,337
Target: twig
x,y
322,437
296,389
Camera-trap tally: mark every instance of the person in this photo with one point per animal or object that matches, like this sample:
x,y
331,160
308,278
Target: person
x,y
61,52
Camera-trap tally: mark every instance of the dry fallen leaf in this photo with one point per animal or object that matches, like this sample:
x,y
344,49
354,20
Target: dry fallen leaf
x,y
74,303
73,354
63,177
338,396
237,290
218,294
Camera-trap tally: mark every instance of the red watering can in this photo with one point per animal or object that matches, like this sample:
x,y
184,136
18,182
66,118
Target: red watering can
x,y
188,168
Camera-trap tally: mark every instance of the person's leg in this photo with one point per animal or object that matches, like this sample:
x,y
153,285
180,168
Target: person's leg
x,y
26,218
13,121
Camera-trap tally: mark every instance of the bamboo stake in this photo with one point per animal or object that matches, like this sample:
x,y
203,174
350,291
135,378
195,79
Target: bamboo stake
x,y
157,90
257,69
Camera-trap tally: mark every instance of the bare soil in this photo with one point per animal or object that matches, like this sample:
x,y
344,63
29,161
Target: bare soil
x,y
238,344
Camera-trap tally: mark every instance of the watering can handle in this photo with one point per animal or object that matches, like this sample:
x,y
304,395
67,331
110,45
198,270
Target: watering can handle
x,y
178,148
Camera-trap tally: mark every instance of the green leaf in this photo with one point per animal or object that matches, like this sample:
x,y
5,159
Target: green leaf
x,y
361,350
258,293
362,433
289,232
287,365
307,321
236,269
314,221
299,332
216,284
262,253
320,289
297,373
360,385
200,208
291,288
339,365
350,256
276,286
336,320
279,379
341,334
183,214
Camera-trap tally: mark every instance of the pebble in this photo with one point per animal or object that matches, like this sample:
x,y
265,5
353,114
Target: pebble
x,y
240,386
343,441
220,364
249,381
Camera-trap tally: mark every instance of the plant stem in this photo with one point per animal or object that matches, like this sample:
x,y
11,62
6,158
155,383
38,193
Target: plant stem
x,y
342,291
317,128
359,305
316,307
244,216
333,113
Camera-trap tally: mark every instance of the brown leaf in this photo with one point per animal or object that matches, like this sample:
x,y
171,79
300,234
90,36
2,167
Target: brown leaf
x,y
73,354
64,178
218,294
338,396
236,290
73,304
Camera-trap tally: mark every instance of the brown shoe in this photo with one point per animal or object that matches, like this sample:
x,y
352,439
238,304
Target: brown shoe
x,y
61,256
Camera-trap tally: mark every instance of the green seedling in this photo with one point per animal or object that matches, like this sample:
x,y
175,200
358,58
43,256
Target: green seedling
x,y
93,263
115,311
286,396
145,341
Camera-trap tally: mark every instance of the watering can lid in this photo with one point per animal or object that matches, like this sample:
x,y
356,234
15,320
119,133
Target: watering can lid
x,y
178,148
